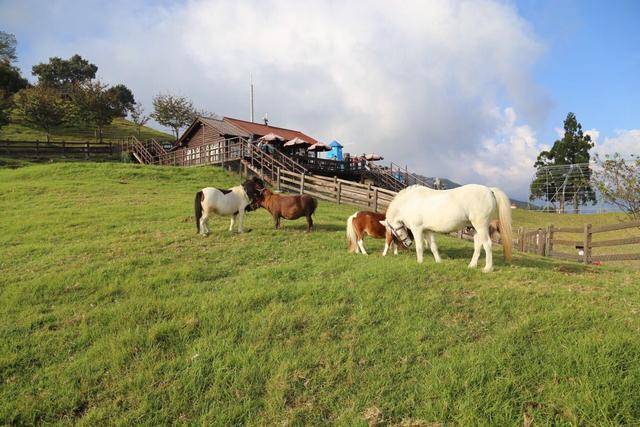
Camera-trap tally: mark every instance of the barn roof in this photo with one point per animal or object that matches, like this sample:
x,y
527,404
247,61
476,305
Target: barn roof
x,y
223,128
261,130
230,127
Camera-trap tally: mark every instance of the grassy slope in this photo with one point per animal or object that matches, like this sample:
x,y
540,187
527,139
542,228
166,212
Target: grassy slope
x,y
113,310
119,129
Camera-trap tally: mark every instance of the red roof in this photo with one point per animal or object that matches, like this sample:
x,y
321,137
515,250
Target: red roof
x,y
261,130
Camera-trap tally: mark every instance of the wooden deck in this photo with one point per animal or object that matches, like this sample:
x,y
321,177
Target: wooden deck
x,y
239,150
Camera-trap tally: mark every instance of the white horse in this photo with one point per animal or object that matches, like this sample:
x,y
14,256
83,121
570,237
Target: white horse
x,y
232,202
424,210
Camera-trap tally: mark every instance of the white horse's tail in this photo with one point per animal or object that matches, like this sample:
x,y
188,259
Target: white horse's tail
x,y
504,216
352,239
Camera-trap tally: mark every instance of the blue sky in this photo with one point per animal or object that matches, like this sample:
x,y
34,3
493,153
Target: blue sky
x,y
471,90
592,63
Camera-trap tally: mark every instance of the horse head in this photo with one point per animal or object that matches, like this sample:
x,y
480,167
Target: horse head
x,y
399,231
253,188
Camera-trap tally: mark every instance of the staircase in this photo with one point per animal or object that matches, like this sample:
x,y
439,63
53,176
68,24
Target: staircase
x,y
407,178
383,177
147,152
239,150
266,165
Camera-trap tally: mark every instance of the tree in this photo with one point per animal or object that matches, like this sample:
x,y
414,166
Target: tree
x,y
11,81
138,117
572,149
64,73
95,104
618,181
124,97
42,107
5,108
8,44
174,112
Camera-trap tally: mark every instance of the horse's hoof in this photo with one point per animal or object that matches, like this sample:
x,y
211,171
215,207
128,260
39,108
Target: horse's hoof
x,y
487,270
472,265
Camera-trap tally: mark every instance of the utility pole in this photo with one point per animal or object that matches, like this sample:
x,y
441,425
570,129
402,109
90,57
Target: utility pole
x,y
251,94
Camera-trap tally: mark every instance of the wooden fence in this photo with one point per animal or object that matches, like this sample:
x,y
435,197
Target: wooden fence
x,y
335,190
74,149
579,245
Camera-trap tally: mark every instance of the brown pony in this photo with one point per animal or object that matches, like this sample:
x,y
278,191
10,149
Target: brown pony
x,y
289,207
494,230
367,222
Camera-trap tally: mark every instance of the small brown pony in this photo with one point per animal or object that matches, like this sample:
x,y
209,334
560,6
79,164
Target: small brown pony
x,y
367,222
289,207
494,230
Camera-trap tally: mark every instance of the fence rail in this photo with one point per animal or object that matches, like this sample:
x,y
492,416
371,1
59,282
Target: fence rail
x,y
78,149
546,242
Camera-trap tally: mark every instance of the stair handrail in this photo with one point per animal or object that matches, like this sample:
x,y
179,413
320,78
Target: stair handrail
x,y
385,175
404,171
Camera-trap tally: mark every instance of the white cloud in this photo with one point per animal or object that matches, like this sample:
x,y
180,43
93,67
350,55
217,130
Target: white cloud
x,y
506,158
625,142
425,83
594,134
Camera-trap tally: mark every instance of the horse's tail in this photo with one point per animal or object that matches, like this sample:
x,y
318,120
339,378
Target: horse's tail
x,y
504,216
198,208
314,205
351,234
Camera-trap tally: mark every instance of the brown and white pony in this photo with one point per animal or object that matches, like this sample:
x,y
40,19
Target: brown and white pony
x,y
288,207
494,230
367,222
232,202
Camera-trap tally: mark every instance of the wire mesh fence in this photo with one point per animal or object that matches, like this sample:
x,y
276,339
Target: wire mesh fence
x,y
567,189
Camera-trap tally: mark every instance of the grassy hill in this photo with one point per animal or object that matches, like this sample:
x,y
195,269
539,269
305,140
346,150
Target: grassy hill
x,y
114,311
119,129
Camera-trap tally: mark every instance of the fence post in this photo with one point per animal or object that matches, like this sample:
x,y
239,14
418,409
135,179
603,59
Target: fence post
x,y
302,183
37,149
542,242
278,180
375,200
339,192
521,239
64,149
549,250
587,244
86,152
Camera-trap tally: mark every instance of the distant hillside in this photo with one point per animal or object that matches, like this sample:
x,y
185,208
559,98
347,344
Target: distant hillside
x,y
118,130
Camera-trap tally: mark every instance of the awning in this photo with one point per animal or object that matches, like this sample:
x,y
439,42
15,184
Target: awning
x,y
270,137
372,157
319,147
296,142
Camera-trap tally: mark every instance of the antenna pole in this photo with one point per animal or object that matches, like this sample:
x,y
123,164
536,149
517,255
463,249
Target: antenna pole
x,y
251,96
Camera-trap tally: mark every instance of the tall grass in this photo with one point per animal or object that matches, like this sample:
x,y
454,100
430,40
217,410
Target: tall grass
x,y
114,311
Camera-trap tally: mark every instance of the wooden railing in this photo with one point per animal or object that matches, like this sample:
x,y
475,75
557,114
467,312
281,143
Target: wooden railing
x,y
77,149
334,189
384,177
406,177
329,166
579,248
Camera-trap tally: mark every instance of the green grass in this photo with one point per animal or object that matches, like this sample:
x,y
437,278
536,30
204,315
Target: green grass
x,y
114,311
116,131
